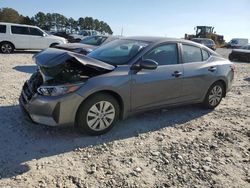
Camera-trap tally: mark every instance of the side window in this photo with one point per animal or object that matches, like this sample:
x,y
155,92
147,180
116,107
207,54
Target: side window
x,y
205,55
2,28
35,31
191,54
20,30
166,54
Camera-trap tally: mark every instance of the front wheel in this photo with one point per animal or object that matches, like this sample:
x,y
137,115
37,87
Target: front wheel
x,y
214,95
98,114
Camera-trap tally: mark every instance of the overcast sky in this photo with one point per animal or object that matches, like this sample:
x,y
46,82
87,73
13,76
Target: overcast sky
x,y
171,18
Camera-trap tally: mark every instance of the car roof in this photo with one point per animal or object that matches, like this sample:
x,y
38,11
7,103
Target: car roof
x,y
160,39
156,40
151,39
108,36
15,24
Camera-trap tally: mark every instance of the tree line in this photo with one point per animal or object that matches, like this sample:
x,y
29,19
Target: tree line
x,y
48,20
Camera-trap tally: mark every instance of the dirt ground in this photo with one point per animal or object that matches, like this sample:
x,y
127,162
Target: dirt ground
x,y
177,147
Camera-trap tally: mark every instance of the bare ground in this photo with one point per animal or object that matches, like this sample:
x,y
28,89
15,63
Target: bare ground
x,y
178,147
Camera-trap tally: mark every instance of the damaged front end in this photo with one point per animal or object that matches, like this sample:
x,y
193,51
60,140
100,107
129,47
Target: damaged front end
x,y
64,72
49,96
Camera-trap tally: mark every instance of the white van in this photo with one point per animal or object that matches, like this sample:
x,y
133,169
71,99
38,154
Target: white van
x,y
17,36
237,42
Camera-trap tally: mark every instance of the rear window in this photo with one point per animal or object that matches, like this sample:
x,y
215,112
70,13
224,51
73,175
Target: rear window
x,y
191,54
2,28
205,55
19,30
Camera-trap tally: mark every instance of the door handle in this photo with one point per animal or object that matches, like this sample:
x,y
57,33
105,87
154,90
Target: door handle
x,y
177,74
212,69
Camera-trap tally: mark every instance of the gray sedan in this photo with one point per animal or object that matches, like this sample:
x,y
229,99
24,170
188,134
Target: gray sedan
x,y
121,78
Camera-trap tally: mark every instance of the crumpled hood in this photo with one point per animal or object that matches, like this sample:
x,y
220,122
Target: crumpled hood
x,y
52,57
73,46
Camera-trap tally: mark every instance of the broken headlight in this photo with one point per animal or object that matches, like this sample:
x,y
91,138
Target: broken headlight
x,y
58,90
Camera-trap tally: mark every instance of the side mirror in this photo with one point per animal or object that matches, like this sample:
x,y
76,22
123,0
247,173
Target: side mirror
x,y
145,64
148,64
44,35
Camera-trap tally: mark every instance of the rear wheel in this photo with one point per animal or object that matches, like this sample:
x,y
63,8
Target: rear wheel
x,y
98,114
6,47
214,95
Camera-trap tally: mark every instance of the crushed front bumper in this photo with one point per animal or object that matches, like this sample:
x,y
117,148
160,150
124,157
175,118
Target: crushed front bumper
x,y
48,110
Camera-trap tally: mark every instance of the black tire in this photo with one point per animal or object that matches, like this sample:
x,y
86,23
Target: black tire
x,y
6,48
82,117
207,101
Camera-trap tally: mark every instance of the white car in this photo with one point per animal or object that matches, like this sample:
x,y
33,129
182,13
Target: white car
x,y
26,37
237,42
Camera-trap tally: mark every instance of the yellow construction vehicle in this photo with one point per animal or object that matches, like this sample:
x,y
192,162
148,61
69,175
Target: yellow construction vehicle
x,y
207,32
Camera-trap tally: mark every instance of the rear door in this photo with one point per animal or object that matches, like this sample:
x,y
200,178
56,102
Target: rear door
x,y
20,37
199,72
151,88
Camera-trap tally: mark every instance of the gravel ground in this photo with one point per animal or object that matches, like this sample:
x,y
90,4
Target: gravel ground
x,y
177,147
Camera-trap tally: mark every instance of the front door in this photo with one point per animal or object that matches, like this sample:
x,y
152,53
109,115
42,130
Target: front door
x,y
161,86
38,41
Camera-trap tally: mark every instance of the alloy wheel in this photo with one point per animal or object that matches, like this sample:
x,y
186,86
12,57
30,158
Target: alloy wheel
x,y
100,116
215,95
6,48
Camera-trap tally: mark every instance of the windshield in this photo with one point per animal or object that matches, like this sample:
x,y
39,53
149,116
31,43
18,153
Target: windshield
x,y
234,41
94,40
118,52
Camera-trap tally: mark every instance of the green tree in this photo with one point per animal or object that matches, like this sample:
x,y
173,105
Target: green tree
x,y
26,20
49,20
89,23
46,21
9,15
40,20
96,24
81,23
72,23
